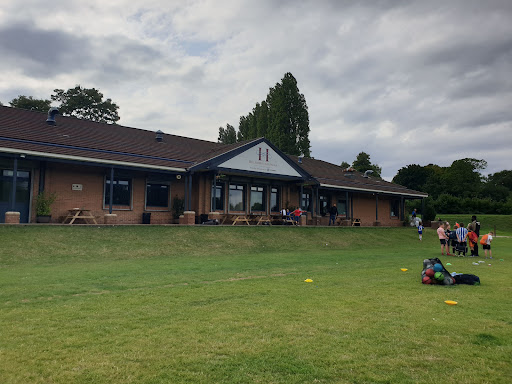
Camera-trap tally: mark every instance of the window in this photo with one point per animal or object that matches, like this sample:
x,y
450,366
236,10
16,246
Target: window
x,y
258,201
342,207
306,201
122,191
395,208
274,200
236,197
324,205
157,194
218,195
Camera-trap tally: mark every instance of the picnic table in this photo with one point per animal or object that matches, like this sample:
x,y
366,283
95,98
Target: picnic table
x,y
80,213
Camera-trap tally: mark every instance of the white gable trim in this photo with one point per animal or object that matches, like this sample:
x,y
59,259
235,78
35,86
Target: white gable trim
x,y
260,158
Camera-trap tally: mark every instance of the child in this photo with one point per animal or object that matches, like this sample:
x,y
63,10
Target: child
x,y
486,242
420,230
443,239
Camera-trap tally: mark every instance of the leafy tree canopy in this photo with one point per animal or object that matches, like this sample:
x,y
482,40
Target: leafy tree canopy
x,y
227,135
344,165
362,163
87,104
29,102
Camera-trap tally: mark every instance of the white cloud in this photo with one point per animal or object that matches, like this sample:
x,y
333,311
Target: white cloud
x,y
398,80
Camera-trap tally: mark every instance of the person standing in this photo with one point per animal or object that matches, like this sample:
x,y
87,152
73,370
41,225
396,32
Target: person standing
x,y
462,234
443,239
486,242
420,230
333,212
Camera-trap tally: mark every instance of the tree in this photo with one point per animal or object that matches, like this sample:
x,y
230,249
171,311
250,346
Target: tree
x,y
87,104
503,178
362,163
463,177
344,165
228,135
288,117
29,102
413,176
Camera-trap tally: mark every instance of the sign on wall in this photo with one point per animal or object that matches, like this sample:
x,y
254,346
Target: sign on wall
x,y
263,159
76,187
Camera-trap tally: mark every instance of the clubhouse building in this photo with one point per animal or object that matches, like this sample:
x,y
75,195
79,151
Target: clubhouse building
x,y
122,175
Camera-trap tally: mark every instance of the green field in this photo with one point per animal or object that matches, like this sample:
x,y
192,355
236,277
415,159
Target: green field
x,y
149,304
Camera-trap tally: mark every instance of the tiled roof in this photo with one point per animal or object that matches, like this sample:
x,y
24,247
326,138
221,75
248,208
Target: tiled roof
x,y
334,176
28,130
23,130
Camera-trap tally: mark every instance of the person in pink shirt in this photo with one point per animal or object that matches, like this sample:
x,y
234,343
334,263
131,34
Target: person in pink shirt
x,y
443,239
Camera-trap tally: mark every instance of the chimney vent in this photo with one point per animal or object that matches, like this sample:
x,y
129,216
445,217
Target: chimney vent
x,y
159,136
51,115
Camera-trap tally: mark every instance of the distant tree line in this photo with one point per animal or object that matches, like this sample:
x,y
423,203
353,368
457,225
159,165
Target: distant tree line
x,y
461,187
83,103
362,164
282,118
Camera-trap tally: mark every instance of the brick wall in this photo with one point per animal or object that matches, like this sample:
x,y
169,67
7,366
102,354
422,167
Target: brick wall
x,y
60,177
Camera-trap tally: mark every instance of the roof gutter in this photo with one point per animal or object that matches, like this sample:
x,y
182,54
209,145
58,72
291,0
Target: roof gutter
x,y
90,160
372,190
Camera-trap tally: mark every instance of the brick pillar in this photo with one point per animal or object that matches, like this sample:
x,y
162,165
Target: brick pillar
x,y
12,217
346,223
213,216
303,220
189,217
110,218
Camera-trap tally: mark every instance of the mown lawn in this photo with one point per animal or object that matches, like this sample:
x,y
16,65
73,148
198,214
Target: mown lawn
x,y
147,304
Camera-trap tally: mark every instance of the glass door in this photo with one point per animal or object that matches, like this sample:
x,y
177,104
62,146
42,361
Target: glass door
x,y
22,203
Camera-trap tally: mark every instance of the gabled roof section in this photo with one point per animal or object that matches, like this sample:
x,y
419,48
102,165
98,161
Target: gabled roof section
x,y
84,140
332,176
256,157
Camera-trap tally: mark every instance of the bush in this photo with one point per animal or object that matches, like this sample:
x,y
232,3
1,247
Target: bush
x,y
44,202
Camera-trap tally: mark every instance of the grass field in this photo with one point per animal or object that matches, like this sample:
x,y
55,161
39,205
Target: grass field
x,y
148,304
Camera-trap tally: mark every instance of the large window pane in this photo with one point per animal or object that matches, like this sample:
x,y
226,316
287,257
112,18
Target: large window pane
x,y
342,207
324,206
258,198
236,197
395,208
274,200
157,195
122,191
306,201
218,195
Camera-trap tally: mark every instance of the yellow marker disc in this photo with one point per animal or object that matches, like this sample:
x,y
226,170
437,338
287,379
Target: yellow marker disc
x,y
308,281
451,302
403,269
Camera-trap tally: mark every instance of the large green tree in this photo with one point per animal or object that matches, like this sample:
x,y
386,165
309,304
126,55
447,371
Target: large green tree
x,y
86,103
288,118
362,163
28,102
412,176
227,135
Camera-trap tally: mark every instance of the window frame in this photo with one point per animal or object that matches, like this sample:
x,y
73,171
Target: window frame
x,y
150,207
222,198
244,198
118,207
260,189
278,199
391,203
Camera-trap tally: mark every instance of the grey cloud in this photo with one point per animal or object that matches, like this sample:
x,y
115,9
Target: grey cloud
x,y
41,53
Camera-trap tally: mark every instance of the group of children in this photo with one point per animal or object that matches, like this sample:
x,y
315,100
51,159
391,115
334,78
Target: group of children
x,y
461,235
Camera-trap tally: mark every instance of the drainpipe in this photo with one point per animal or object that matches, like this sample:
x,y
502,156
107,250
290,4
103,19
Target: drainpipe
x,y
346,206
42,175
14,179
190,192
111,201
214,203
376,207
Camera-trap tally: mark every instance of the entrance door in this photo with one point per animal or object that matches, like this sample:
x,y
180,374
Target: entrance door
x,y
22,204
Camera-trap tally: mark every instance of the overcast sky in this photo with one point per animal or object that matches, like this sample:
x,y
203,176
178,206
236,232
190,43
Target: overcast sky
x,y
409,82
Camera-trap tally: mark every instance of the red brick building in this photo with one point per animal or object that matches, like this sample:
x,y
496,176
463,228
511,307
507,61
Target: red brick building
x,y
130,176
